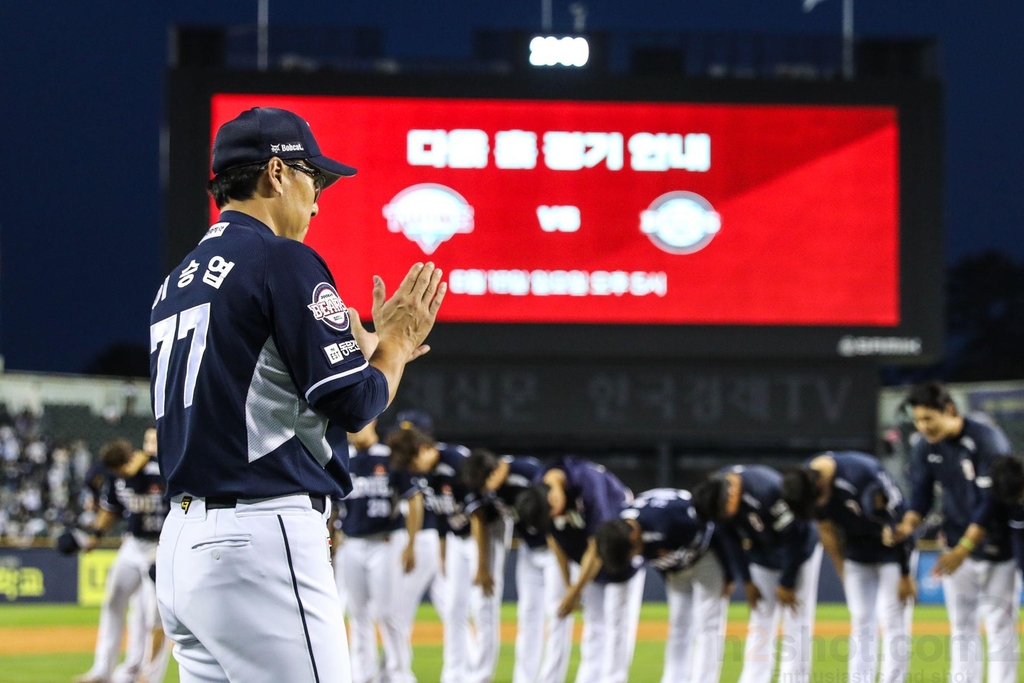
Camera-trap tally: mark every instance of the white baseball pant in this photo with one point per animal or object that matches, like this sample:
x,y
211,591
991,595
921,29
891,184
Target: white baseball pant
x,y
426,575
542,655
872,594
127,581
366,571
611,613
471,656
797,625
981,590
248,593
697,620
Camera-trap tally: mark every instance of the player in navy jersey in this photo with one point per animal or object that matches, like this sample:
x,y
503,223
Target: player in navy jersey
x,y
253,352
134,491
980,578
470,656
573,499
366,558
858,506
662,528
1008,489
543,641
777,556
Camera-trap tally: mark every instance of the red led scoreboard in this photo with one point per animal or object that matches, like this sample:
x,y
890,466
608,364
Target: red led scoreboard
x,y
623,219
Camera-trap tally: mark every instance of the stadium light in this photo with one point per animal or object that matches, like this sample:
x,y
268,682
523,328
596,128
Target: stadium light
x,y
567,51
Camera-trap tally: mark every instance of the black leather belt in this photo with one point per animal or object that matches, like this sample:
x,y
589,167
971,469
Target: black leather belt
x,y
220,502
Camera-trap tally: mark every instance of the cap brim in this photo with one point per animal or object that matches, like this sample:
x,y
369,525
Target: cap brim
x,y
331,169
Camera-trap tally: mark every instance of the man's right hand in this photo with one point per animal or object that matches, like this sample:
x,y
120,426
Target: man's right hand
x,y
406,318
753,594
409,558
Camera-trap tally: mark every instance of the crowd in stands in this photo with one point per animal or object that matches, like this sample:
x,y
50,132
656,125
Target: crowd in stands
x,y
41,481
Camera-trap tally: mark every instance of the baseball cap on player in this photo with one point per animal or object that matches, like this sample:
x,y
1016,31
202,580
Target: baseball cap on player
x,y
415,418
261,133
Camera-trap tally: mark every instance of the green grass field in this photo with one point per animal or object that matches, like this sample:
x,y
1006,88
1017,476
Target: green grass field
x,y
929,664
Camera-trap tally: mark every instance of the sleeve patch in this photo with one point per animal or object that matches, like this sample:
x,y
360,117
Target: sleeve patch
x,y
328,307
336,353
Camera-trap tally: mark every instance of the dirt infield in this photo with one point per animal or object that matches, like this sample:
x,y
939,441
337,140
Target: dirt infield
x,y
30,640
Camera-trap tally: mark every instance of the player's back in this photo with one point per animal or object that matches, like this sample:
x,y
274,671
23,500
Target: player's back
x,y
222,366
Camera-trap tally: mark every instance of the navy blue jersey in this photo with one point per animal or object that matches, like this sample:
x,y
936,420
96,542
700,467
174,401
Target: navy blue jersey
x,y
251,353
407,485
673,537
95,478
444,493
961,465
777,539
371,508
593,496
523,472
864,501
140,499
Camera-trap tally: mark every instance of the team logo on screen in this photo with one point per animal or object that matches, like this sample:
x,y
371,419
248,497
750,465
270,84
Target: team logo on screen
x,y
680,222
328,307
429,214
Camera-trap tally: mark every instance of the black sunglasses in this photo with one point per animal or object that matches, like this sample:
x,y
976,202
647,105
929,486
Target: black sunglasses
x,y
318,178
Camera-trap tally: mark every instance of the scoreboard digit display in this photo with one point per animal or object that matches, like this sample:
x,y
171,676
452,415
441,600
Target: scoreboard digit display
x,y
623,218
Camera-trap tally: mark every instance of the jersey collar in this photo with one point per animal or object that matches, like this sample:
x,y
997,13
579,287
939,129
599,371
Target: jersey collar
x,y
239,218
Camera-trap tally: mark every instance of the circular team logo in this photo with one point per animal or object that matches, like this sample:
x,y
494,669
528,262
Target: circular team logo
x,y
429,214
680,222
328,307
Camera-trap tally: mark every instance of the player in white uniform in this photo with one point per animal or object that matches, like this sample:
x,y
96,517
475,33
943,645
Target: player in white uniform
x,y
980,579
422,559
573,499
366,558
543,641
136,491
779,559
470,654
662,528
857,507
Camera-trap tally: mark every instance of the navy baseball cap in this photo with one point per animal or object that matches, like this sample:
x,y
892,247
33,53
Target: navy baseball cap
x,y
415,418
258,135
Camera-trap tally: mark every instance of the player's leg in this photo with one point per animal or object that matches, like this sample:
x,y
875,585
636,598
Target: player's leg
x,y
157,650
486,609
622,602
1000,607
679,593
710,620
456,649
529,614
555,666
123,580
892,620
384,572
339,577
592,641
362,636
136,636
961,591
861,585
195,663
798,624
254,585
759,649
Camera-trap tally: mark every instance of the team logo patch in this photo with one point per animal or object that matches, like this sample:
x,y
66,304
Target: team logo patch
x,y
680,222
429,214
328,307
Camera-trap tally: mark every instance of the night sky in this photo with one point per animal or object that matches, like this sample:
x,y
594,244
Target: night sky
x,y
82,101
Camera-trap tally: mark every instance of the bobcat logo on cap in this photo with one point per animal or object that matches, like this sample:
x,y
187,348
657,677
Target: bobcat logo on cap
x,y
328,307
429,214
